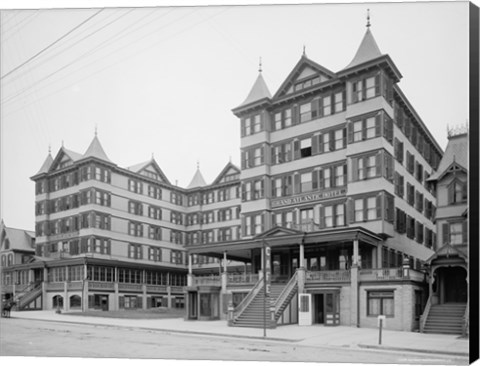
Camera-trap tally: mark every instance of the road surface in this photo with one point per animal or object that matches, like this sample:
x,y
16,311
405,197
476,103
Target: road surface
x,y
22,337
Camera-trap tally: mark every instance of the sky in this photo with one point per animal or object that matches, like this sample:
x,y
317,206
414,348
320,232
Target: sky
x,y
163,80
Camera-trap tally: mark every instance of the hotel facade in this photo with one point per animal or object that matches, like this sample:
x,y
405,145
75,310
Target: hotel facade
x,y
330,218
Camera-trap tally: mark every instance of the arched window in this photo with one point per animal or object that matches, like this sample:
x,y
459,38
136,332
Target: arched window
x,y
57,301
75,301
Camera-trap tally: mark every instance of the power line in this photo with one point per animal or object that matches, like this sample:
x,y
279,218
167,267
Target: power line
x,y
16,28
52,44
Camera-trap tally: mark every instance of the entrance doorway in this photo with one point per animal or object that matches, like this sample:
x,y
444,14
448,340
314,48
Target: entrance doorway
x,y
318,309
326,308
455,284
192,305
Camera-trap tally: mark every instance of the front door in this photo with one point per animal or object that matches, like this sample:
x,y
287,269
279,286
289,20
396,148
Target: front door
x,y
319,309
332,308
192,305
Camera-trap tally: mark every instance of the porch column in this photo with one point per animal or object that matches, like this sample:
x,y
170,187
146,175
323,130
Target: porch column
x,y
190,271
225,261
224,273
379,256
66,305
44,289
301,270
224,301
354,304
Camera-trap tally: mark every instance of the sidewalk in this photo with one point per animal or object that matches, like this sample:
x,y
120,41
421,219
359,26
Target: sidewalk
x,y
317,335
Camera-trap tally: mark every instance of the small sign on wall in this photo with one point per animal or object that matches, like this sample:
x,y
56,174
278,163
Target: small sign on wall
x,y
384,321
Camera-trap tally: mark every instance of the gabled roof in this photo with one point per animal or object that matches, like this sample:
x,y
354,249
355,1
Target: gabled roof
x,y
149,165
19,239
228,169
447,251
258,92
46,165
63,152
368,50
96,150
278,231
456,154
197,180
304,67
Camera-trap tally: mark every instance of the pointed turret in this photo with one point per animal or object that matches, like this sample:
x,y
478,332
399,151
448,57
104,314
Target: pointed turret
x,y
259,90
197,180
46,164
367,51
96,150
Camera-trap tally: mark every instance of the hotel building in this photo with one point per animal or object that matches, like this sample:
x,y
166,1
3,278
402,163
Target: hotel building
x,y
329,220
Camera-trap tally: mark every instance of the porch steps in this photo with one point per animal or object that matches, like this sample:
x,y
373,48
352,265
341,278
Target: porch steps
x,y
253,316
445,318
28,297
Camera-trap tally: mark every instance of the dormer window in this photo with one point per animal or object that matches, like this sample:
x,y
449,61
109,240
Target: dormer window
x,y
457,192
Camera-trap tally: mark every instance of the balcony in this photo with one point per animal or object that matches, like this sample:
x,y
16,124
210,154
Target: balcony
x,y
242,279
390,274
211,280
327,276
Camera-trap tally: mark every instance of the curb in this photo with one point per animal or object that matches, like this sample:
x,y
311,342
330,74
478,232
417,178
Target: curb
x,y
175,331
390,348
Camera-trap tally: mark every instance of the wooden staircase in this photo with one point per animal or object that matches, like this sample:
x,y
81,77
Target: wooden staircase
x,y
445,318
29,296
253,315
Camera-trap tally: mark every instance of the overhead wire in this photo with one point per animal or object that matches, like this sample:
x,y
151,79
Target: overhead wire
x,y
14,30
126,58
50,45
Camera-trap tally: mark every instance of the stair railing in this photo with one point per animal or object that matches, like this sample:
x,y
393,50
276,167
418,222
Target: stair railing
x,y
248,299
26,294
466,320
426,311
287,290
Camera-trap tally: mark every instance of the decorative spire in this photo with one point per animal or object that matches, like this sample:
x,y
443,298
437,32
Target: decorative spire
x,y
96,130
153,156
368,18
62,143
198,164
304,53
260,65
49,149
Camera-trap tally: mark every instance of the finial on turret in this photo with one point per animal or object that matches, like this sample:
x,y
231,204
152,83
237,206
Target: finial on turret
x,y
368,18
49,148
96,130
198,165
62,143
304,52
260,65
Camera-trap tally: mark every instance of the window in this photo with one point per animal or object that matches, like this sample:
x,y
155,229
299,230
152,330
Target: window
x,y
176,217
223,194
367,167
251,125
410,163
135,229
193,199
135,208
155,212
380,303
410,227
332,216
102,198
283,219
419,230
102,174
155,254
454,233
224,234
306,182
340,175
253,190
399,185
419,201
339,100
305,148
306,219
368,208
252,157
457,192
135,186
135,251
176,257
155,232
176,237
366,88
410,194
305,112
340,139
254,224
176,198
398,150
419,172
326,106
281,153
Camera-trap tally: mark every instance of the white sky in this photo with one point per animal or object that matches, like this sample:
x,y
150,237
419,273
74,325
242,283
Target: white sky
x,y
164,80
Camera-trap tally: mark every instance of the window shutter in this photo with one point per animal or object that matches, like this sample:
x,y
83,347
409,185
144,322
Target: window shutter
x,y
244,226
451,192
464,191
464,232
344,96
262,188
263,223
315,179
315,145
296,149
320,144
289,185
364,89
321,180
354,169
273,159
320,107
243,159
332,176
345,177
354,92
379,205
377,85
297,183
446,233
378,164
344,137
378,125
262,121
315,108
121,302
351,211
262,155
322,216
332,140
295,115
350,132
242,127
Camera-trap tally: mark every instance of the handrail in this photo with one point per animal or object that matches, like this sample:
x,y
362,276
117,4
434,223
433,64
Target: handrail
x,y
466,319
248,299
285,292
29,288
426,311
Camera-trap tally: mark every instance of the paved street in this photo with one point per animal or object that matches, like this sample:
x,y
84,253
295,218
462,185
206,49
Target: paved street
x,y
24,337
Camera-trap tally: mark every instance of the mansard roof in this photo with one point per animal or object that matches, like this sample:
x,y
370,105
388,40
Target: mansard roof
x,y
197,180
455,154
96,150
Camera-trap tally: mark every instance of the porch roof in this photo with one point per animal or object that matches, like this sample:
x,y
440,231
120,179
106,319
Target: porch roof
x,y
281,237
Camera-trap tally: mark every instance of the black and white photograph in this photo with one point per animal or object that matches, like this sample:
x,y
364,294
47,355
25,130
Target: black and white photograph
x,y
265,182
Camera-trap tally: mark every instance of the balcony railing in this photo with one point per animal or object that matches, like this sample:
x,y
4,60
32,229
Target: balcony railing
x,y
328,276
388,274
242,278
212,280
